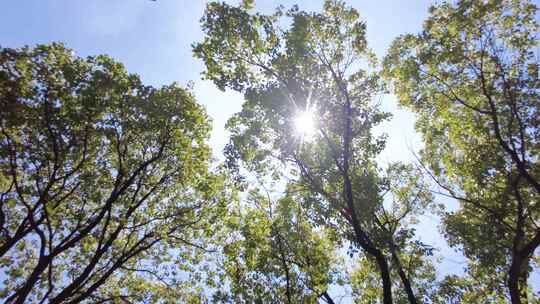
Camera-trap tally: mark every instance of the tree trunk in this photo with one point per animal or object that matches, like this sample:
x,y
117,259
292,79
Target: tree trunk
x,y
403,276
517,281
361,236
327,298
368,246
385,276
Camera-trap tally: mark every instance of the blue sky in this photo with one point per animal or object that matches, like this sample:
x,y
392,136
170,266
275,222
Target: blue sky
x,y
153,39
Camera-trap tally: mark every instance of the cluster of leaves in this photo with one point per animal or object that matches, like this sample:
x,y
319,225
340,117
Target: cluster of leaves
x,y
101,177
274,255
472,78
106,193
314,65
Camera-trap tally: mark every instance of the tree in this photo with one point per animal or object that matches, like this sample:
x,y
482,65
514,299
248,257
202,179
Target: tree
x,y
101,178
366,288
408,255
310,70
473,287
472,77
274,255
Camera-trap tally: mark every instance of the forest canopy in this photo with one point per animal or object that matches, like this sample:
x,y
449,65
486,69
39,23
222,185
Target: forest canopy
x,y
110,191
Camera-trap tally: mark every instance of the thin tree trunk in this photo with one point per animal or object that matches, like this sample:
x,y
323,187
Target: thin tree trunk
x,y
20,296
366,244
404,279
516,282
327,297
520,256
286,269
385,276
361,235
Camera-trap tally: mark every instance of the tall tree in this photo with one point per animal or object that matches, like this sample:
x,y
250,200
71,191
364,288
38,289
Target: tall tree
x,y
298,69
274,255
408,256
366,288
474,286
100,178
472,77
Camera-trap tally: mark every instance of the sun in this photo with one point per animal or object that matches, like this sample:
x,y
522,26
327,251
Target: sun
x,y
304,123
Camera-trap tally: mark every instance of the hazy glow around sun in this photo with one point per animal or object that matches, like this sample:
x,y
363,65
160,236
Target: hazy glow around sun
x,y
304,123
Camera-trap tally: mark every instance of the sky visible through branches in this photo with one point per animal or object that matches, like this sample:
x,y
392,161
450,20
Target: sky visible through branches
x,y
153,39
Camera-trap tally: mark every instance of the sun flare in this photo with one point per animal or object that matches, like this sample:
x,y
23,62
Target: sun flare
x,y
304,123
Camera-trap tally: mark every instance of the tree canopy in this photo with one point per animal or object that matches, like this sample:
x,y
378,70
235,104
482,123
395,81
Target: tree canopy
x,y
101,177
109,191
314,67
472,77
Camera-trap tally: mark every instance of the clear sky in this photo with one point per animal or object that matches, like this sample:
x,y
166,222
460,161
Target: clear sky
x,y
153,39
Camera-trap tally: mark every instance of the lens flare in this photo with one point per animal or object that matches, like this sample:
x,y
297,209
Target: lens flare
x,y
304,124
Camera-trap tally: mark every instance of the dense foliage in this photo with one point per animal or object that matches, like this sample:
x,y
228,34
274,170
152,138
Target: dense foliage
x,y
273,254
313,67
472,77
109,194
101,177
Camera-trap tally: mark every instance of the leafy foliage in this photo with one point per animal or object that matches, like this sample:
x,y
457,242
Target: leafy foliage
x,y
367,289
314,65
274,255
101,177
472,77
106,195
